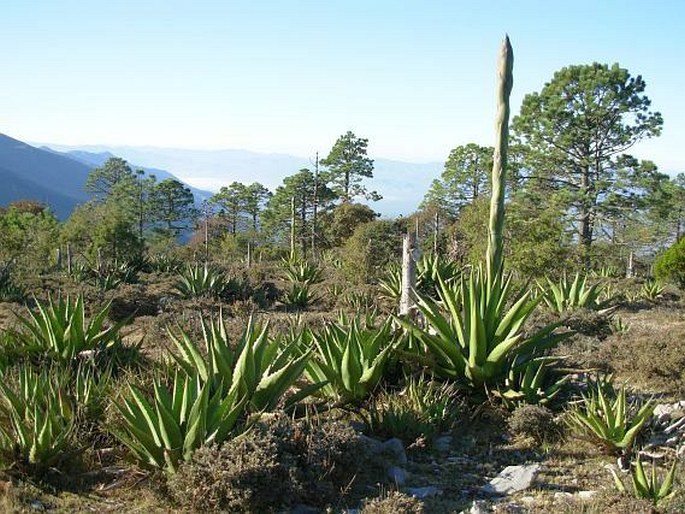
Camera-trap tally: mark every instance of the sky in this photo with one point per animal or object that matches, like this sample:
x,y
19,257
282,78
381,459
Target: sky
x,y
416,78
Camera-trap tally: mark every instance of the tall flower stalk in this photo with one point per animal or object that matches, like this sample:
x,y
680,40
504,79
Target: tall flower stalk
x,y
495,253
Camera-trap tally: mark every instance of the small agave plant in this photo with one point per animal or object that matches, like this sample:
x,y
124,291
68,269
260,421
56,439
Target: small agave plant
x,y
647,486
609,422
196,281
565,295
535,383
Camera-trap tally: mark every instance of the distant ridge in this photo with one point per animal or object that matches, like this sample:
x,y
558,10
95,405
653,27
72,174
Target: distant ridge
x,y
29,173
54,178
402,184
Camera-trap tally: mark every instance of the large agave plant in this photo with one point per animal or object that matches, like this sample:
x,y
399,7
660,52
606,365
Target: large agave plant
x,y
60,329
258,367
348,359
36,420
475,331
167,428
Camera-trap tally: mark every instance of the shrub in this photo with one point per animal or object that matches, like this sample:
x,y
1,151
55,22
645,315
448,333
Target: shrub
x,y
670,265
536,422
242,475
394,502
10,290
370,249
279,461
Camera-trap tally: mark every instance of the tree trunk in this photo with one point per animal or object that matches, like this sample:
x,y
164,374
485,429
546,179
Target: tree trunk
x,y
585,228
315,202
436,233
408,273
292,227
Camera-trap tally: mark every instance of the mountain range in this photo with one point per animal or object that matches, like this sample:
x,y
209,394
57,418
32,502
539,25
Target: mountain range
x,y
402,184
56,174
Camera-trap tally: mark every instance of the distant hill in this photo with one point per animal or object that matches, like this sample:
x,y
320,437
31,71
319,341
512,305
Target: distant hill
x,y
98,159
29,173
402,184
54,178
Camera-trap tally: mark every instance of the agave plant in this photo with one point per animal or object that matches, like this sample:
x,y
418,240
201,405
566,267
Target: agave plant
x,y
298,296
618,326
651,290
36,420
195,281
565,296
350,361
165,263
612,424
300,271
260,368
534,383
475,333
390,283
428,269
60,329
169,427
647,487
423,408
359,301
431,267
110,276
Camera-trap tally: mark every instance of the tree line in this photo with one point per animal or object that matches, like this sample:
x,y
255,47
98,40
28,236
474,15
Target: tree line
x,y
576,195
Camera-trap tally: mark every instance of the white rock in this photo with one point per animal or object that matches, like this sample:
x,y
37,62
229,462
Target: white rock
x,y
512,479
478,507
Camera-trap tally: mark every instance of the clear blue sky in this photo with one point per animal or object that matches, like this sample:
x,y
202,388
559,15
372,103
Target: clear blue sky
x,y
415,77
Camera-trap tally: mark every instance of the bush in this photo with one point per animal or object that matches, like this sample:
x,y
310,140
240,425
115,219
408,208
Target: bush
x,y
536,422
670,265
394,503
278,461
243,475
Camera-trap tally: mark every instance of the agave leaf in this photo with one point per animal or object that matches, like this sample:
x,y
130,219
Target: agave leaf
x,y
667,485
